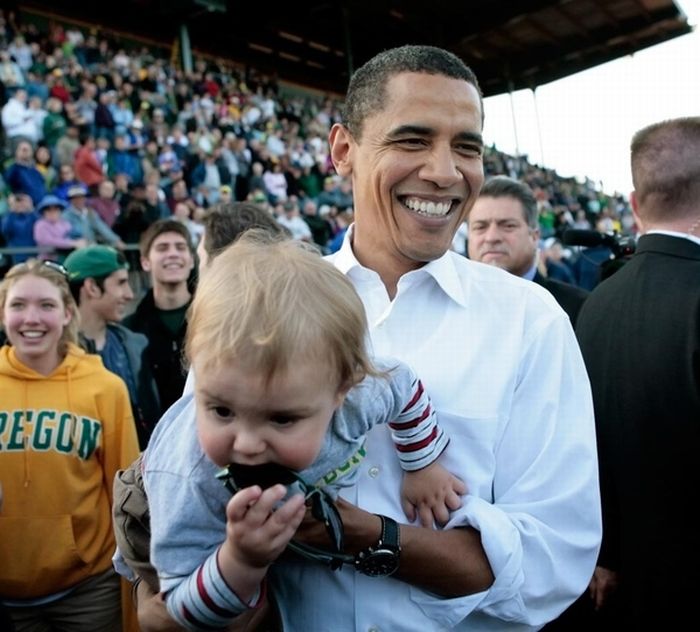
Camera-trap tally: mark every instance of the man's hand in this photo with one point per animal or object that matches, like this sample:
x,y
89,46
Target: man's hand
x,y
431,493
451,563
152,613
603,584
361,529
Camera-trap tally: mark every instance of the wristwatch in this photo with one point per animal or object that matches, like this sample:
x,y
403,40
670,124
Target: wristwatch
x,y
382,558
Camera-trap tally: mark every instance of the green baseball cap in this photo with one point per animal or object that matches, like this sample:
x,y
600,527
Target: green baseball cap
x,y
94,262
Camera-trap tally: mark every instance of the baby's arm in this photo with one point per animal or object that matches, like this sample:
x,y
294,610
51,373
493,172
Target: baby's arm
x,y
428,489
230,580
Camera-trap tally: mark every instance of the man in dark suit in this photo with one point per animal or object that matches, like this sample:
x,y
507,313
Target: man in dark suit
x,y
640,336
504,232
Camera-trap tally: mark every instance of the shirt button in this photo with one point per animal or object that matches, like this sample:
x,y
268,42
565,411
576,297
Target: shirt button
x,y
374,472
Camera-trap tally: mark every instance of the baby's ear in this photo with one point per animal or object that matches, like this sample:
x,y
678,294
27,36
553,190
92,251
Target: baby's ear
x,y
342,392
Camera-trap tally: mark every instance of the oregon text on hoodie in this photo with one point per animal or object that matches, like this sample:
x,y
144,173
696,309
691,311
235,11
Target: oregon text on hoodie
x,y
62,439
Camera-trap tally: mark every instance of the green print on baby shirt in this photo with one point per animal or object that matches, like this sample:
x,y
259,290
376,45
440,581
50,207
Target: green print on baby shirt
x,y
44,430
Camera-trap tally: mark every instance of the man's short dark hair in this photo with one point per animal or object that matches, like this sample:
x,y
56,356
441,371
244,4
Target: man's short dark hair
x,y
503,186
159,227
227,221
665,161
366,93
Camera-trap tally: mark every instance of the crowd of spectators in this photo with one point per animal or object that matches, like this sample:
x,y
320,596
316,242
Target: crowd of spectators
x,y
146,140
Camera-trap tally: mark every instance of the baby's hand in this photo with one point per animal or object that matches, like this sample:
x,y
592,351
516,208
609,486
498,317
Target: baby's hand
x,y
431,493
256,532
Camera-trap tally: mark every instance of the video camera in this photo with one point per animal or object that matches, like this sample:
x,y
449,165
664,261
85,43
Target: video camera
x,y
617,250
619,245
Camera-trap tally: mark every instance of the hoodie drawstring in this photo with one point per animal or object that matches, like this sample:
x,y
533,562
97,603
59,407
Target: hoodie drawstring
x,y
25,438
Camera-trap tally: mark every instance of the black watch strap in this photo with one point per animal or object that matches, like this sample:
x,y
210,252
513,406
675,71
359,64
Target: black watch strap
x,y
391,534
382,558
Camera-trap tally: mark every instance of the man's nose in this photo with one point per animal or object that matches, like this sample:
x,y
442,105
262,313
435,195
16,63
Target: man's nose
x,y
492,233
441,167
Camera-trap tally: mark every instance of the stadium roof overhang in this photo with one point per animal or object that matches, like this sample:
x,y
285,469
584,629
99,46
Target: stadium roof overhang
x,y
510,45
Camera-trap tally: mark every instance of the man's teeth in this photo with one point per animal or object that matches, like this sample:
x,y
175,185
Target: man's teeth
x,y
435,209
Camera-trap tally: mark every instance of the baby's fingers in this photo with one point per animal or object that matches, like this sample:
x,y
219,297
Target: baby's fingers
x,y
408,509
426,515
241,501
458,486
453,501
291,513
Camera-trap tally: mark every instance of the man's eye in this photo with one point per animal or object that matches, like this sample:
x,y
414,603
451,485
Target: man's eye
x,y
412,142
470,150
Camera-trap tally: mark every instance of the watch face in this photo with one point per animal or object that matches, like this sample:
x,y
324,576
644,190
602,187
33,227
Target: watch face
x,y
379,563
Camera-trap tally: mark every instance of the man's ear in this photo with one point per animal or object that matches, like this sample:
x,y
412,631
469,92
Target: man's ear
x,y
341,143
634,203
91,288
145,264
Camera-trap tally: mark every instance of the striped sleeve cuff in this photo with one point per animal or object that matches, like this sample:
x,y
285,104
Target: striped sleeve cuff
x,y
418,438
204,601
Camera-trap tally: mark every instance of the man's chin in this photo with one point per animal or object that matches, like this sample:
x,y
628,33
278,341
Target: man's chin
x,y
498,261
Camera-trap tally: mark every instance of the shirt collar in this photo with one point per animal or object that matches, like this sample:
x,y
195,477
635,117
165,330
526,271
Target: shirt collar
x,y
443,270
673,233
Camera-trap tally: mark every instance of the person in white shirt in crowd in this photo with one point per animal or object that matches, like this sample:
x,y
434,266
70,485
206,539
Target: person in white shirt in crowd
x,y
17,120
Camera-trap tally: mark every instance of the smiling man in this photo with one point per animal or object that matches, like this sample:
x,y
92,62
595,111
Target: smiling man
x,y
168,256
496,351
99,282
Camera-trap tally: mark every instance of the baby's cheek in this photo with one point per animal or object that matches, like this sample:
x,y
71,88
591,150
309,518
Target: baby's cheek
x,y
212,445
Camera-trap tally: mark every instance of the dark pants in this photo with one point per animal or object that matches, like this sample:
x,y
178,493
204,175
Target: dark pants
x,y
94,606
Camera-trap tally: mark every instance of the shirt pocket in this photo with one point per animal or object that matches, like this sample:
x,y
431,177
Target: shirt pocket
x,y
471,452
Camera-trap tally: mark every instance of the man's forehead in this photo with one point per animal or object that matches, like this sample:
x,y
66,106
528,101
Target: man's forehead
x,y
501,208
168,238
403,83
120,275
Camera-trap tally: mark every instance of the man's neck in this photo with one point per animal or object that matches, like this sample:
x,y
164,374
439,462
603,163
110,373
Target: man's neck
x,y
171,295
93,327
390,270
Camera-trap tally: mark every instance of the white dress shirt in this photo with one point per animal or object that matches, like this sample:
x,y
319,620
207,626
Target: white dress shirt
x,y
499,358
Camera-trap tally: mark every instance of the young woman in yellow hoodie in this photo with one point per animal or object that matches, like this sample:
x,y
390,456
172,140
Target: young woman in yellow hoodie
x,y
66,427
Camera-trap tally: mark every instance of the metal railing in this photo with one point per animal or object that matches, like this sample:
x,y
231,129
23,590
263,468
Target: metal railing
x,y
138,279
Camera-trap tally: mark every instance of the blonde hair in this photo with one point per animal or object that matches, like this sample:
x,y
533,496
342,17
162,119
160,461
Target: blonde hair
x,y
53,274
271,303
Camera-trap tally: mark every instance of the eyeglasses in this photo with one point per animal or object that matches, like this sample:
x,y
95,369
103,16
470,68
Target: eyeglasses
x,y
236,477
55,266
